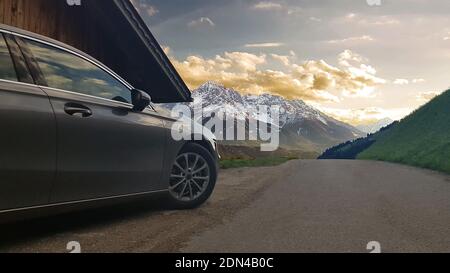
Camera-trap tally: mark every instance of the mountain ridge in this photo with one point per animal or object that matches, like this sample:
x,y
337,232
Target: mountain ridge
x,y
302,126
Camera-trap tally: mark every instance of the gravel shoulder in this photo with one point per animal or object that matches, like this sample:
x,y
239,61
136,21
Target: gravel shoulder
x,y
140,227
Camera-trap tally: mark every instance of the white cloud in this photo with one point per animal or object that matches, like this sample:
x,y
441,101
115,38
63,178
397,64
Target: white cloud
x,y
151,11
418,81
383,21
276,6
401,81
406,81
264,45
294,10
348,56
364,38
371,20
145,8
281,58
315,19
365,116
354,63
166,49
350,16
202,21
425,97
267,5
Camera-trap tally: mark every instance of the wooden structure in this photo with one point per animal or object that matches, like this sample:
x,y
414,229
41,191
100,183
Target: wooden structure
x,y
109,30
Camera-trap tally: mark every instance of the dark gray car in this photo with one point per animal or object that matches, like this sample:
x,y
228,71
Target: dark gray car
x,y
73,132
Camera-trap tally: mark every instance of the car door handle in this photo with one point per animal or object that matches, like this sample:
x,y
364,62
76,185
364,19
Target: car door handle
x,y
75,109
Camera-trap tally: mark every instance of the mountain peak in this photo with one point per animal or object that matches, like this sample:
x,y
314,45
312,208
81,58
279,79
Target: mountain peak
x,y
210,84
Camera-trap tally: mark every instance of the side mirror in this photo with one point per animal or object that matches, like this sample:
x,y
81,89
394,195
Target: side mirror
x,y
140,100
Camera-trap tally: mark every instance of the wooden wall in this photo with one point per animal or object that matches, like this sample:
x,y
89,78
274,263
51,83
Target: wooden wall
x,y
72,25
98,28
92,27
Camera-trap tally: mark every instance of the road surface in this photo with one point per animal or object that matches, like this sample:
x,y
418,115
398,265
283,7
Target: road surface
x,y
301,206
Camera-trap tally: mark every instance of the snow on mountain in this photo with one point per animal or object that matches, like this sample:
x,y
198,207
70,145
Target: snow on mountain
x,y
375,127
214,96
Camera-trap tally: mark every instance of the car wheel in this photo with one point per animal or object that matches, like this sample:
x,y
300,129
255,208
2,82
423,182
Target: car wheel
x,y
193,177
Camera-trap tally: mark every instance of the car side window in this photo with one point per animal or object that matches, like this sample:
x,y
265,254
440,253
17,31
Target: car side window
x,y
7,70
66,71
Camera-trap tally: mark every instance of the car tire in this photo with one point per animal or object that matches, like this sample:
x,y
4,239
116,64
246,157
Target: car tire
x,y
193,177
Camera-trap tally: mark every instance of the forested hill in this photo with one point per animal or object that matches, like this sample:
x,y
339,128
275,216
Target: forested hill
x,y
351,149
422,139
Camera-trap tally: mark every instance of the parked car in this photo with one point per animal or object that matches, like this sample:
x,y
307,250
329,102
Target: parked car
x,y
75,133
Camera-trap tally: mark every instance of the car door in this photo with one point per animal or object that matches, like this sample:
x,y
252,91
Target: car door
x,y
105,148
27,134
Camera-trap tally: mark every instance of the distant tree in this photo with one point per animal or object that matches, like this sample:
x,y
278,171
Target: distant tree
x,y
351,149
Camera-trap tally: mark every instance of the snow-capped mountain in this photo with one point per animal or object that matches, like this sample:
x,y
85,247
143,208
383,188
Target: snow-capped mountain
x,y
375,127
213,96
302,126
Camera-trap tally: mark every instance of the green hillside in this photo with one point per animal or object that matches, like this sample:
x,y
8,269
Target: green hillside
x,y
422,139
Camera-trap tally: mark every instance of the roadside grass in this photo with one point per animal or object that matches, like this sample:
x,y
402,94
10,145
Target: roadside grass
x,y
255,162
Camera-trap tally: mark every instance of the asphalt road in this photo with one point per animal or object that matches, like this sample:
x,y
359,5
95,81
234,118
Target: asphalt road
x,y
301,206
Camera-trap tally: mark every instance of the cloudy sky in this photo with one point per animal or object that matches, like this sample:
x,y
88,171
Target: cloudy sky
x,y
355,61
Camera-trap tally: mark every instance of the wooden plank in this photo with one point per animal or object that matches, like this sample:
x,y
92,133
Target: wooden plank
x,y
7,11
40,24
26,14
14,11
2,11
35,22
20,14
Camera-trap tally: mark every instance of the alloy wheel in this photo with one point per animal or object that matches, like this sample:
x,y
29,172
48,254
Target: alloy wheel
x,y
190,177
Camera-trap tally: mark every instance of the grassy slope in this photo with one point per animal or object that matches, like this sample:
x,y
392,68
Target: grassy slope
x,y
257,162
422,139
235,156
